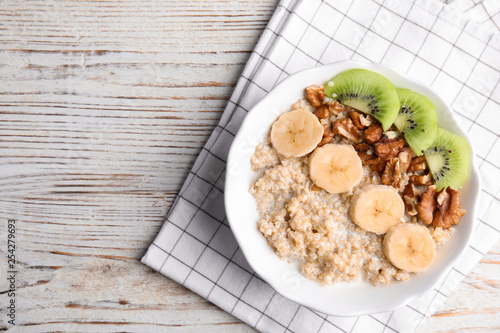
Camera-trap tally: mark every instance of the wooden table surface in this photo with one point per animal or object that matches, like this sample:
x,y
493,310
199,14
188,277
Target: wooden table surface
x,y
104,106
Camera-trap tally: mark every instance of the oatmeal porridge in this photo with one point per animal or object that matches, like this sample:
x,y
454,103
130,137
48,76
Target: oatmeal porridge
x,y
312,221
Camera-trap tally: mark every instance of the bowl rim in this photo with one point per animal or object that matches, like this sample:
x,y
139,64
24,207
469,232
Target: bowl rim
x,y
474,179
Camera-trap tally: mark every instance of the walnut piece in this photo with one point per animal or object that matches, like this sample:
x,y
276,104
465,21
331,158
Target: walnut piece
x,y
335,108
369,159
380,165
315,95
417,164
427,205
322,112
346,128
422,179
373,133
388,148
327,135
365,153
405,156
410,199
363,147
359,120
392,173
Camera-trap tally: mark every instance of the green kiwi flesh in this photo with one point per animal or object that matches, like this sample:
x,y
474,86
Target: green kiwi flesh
x,y
368,92
417,120
448,158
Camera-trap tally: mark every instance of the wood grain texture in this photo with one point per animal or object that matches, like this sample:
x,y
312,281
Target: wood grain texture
x,y
104,105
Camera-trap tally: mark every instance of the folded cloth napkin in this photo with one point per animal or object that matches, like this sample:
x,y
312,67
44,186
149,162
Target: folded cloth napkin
x,y
453,48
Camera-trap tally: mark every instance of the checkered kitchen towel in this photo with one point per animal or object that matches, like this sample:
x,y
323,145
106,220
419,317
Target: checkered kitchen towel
x,y
454,48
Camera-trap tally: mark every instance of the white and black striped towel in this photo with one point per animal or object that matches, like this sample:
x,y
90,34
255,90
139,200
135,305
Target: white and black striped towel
x,y
454,48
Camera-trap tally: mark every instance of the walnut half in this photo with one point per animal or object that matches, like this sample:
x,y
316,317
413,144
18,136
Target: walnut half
x,y
442,209
405,156
373,133
392,173
315,95
427,205
410,199
448,211
397,166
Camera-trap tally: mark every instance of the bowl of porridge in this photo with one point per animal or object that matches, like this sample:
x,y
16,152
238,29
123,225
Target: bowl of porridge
x,y
342,205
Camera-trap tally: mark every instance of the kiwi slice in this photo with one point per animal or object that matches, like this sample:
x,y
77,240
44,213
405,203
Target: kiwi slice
x,y
417,120
448,158
368,92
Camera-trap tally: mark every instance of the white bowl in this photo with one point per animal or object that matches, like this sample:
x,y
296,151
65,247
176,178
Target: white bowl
x,y
344,299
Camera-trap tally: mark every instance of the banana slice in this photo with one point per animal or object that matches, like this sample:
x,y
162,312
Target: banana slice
x,y
410,247
335,168
376,208
296,133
